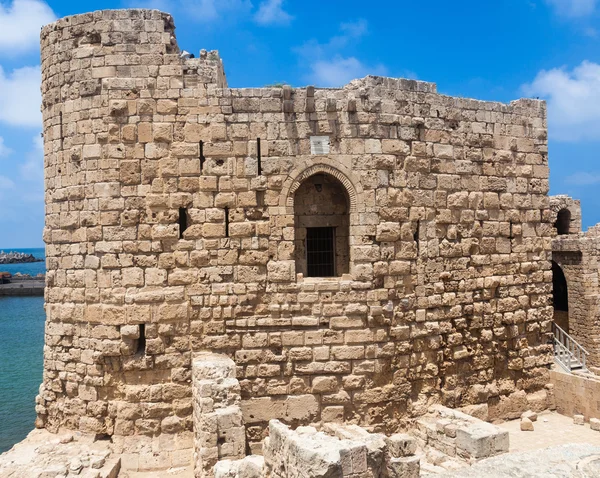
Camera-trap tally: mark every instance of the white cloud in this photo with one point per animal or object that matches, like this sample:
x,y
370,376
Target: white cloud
x,y
329,65
583,178
20,97
270,12
340,71
573,101
355,29
211,10
20,24
4,150
573,8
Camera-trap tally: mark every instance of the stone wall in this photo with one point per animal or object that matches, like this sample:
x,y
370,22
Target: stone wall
x,y
576,394
577,254
446,298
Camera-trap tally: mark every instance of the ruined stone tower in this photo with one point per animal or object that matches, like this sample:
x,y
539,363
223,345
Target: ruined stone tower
x,y
360,253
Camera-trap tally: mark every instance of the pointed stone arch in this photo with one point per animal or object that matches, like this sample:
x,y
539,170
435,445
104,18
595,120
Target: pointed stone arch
x,y
294,181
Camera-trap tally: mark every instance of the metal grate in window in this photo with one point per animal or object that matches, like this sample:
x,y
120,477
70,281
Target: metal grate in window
x,y
320,251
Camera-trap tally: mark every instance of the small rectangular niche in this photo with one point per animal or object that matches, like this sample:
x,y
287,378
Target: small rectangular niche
x,y
183,221
141,342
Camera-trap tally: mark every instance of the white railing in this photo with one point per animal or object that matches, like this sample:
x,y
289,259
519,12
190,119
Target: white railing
x,y
567,352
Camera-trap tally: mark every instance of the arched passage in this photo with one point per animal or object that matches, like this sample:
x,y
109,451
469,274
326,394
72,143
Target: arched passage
x,y
560,297
322,223
563,222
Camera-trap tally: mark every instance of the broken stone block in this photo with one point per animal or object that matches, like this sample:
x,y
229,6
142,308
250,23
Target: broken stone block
x,y
595,424
249,467
526,425
578,419
405,467
401,444
530,415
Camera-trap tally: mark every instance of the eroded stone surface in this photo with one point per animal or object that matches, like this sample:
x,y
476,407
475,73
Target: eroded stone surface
x,y
46,455
339,451
565,461
459,435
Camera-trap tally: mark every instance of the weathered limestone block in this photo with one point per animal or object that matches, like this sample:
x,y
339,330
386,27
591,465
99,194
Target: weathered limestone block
x,y
249,467
457,434
526,424
219,431
345,451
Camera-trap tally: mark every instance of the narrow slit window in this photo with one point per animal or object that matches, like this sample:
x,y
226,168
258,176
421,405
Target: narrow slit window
x,y
141,343
417,234
183,222
60,117
258,156
226,221
320,251
202,159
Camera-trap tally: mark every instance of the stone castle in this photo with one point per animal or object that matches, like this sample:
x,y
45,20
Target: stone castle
x,y
357,254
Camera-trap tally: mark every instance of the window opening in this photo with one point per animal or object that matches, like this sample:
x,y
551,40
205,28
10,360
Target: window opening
x,y
320,251
60,117
563,221
183,223
141,343
202,158
226,221
258,156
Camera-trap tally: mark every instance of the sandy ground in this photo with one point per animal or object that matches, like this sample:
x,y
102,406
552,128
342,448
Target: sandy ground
x,y
550,429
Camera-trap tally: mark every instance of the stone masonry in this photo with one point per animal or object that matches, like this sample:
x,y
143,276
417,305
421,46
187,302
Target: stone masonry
x,y
576,267
183,216
218,424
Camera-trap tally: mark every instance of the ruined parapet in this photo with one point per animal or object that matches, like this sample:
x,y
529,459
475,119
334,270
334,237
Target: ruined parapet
x,y
576,279
219,432
565,214
459,435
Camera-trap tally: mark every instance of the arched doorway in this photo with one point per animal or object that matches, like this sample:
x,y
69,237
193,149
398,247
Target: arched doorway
x,y
563,222
322,223
560,297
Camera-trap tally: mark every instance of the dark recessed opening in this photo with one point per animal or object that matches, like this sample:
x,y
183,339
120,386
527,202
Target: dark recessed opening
x,y
563,221
202,158
183,222
560,296
258,156
141,343
226,221
320,251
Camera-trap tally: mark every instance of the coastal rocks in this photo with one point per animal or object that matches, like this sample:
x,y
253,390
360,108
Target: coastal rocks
x,y
43,454
17,258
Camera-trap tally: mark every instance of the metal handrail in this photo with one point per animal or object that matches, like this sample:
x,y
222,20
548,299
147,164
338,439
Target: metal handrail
x,y
565,345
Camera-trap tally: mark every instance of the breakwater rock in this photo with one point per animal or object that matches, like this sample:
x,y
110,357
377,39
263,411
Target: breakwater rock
x,y
17,258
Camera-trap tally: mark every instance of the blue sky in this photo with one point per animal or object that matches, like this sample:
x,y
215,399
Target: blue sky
x,y
499,51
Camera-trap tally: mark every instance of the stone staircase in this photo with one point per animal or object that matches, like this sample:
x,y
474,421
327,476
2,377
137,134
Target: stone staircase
x,y
568,354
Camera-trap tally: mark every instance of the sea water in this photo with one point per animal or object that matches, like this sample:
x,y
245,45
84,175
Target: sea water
x,y
21,355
